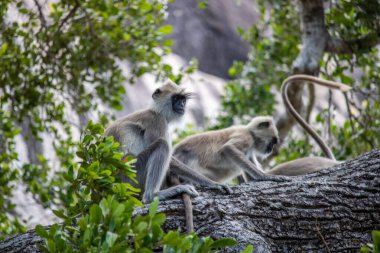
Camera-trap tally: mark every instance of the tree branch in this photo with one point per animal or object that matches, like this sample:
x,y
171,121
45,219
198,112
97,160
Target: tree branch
x,y
41,14
68,16
343,202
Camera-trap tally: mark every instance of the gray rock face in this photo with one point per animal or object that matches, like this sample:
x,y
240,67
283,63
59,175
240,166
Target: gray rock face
x,y
210,34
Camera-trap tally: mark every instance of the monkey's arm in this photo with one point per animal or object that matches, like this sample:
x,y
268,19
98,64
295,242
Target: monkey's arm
x,y
237,157
186,173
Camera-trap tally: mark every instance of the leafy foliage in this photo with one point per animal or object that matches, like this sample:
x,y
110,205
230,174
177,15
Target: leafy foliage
x,y
61,60
269,55
98,214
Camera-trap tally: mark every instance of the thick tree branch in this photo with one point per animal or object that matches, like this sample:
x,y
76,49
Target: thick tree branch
x,y
335,209
339,46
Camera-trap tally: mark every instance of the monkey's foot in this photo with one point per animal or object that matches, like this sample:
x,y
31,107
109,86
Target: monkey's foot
x,y
170,192
222,187
189,189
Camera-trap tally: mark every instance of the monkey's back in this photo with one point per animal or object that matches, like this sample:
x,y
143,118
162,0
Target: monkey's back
x,y
202,152
302,166
136,131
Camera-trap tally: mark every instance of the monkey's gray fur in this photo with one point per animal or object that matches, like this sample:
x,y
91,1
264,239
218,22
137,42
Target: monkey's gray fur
x,y
144,134
223,154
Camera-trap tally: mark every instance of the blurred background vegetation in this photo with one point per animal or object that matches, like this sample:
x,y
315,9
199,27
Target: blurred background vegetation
x,y
63,58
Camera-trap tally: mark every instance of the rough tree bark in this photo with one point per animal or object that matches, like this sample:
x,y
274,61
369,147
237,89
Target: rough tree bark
x,y
332,210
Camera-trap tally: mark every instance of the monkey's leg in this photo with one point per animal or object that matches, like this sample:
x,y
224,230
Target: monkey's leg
x,y
156,159
238,158
151,168
186,173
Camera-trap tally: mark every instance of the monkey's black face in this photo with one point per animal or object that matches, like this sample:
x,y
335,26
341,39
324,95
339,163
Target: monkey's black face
x,y
270,145
179,103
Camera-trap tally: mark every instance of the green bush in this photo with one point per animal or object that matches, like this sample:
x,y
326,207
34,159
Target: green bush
x,y
65,58
98,213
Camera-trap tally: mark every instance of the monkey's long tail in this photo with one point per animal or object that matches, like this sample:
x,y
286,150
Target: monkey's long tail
x,y
295,114
188,206
188,212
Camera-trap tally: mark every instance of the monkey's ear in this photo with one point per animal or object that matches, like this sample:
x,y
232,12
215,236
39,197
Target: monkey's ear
x,y
264,125
156,92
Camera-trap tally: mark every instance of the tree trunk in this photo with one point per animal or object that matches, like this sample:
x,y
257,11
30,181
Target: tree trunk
x,y
314,39
332,210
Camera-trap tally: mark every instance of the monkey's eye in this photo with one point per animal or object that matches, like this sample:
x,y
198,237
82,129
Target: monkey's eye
x,y
156,92
264,125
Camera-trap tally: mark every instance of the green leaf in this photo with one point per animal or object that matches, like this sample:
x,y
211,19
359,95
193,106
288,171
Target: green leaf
x,y
166,29
249,249
376,240
111,238
3,49
119,210
224,242
95,214
87,139
159,219
60,214
51,245
127,37
202,5
168,43
41,231
153,207
364,249
87,236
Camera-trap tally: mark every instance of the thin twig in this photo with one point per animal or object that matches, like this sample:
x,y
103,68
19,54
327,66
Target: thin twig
x,y
349,113
41,15
68,16
329,117
322,238
89,21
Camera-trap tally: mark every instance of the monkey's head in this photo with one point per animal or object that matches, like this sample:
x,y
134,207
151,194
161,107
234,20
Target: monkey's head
x,y
170,100
264,133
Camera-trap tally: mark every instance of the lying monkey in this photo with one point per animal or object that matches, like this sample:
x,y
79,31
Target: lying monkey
x,y
221,155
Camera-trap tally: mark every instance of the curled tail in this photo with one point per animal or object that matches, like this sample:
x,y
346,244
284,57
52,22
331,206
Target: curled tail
x,y
284,93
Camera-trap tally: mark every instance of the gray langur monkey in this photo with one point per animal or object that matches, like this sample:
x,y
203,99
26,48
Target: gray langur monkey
x,y
307,165
222,155
144,134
